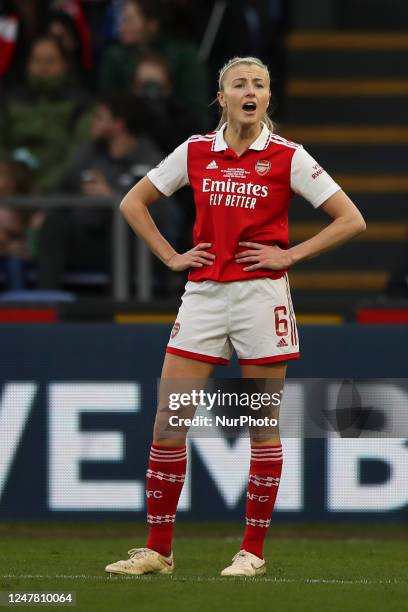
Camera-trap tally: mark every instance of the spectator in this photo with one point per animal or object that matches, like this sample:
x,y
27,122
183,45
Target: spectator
x,y
62,26
106,165
169,121
29,16
47,117
15,179
116,153
75,10
140,31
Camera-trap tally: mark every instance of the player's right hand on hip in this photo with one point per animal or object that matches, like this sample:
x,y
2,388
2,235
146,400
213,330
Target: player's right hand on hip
x,y
196,257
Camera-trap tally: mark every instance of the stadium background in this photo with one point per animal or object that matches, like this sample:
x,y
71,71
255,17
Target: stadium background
x,y
340,83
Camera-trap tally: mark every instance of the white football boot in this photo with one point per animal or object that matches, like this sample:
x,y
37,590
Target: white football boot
x,y
142,561
245,564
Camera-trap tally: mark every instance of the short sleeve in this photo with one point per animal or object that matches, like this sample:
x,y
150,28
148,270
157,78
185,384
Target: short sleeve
x,y
171,174
308,179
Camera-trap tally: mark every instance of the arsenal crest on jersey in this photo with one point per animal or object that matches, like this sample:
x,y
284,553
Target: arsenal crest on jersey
x,y
262,167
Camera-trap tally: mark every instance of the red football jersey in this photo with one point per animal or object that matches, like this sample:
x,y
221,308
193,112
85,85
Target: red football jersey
x,y
241,198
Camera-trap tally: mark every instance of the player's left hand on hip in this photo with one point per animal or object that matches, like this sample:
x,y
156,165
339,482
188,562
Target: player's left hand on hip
x,y
262,256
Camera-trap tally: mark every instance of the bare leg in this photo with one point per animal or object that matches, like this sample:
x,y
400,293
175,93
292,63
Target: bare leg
x,y
175,368
272,371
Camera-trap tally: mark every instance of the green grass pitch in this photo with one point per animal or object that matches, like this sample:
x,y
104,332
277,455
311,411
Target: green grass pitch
x,y
310,567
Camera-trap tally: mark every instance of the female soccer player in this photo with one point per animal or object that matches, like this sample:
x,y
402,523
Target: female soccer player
x,y
243,177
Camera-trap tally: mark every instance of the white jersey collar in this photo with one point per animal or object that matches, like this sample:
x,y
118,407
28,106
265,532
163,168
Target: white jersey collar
x,y
258,145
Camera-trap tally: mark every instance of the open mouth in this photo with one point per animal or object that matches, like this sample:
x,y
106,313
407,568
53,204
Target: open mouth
x,y
249,107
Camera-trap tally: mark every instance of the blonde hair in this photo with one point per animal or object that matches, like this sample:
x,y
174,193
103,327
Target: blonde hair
x,y
236,61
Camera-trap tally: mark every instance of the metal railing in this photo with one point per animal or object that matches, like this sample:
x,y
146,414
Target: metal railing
x,y
120,235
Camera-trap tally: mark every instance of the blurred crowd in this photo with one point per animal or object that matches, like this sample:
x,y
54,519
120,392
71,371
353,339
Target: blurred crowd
x,y
93,93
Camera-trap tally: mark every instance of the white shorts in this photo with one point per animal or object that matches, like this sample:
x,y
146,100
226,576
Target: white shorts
x,y
254,317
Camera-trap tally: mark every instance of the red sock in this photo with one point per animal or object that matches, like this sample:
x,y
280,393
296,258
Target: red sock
x,y
164,482
264,477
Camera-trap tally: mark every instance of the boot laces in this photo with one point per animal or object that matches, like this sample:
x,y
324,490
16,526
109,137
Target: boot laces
x,y
138,553
241,558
